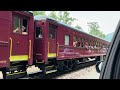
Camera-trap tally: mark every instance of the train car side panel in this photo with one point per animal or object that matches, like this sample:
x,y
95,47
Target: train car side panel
x,y
88,45
5,24
31,40
21,37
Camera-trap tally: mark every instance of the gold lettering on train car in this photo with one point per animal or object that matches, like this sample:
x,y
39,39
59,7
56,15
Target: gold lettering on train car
x,y
3,61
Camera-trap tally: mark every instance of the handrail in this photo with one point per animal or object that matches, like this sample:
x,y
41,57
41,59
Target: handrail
x,y
79,47
30,47
48,47
57,48
10,47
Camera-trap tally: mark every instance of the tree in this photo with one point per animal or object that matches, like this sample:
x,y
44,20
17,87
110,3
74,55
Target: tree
x,y
39,13
53,14
94,29
64,16
79,27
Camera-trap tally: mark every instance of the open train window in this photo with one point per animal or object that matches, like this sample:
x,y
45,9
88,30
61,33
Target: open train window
x,y
79,41
74,41
16,24
20,25
24,26
39,32
52,31
67,39
82,43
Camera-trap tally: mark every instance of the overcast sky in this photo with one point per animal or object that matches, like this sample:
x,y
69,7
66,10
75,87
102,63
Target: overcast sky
x,y
107,20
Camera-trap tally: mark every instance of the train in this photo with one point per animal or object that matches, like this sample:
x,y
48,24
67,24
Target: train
x,y
50,45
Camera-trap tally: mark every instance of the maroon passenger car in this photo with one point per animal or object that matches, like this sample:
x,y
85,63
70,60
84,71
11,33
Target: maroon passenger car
x,y
44,42
59,45
16,42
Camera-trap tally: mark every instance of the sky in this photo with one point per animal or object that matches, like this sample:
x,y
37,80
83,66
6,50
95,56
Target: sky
x,y
107,20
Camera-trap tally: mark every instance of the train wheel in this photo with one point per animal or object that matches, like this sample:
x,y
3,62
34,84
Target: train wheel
x,y
70,64
98,58
73,64
60,66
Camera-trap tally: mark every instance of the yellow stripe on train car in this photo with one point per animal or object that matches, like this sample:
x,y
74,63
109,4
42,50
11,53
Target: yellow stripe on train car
x,y
18,58
51,55
15,73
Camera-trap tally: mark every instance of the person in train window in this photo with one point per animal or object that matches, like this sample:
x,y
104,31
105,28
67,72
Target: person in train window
x,y
95,47
75,43
92,47
104,47
89,45
82,44
17,30
86,45
51,36
78,44
39,36
23,30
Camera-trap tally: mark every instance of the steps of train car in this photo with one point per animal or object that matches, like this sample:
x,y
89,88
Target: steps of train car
x,y
50,69
15,72
16,75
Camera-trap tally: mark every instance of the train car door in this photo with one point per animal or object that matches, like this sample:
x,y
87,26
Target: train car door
x,y
19,48
39,42
52,41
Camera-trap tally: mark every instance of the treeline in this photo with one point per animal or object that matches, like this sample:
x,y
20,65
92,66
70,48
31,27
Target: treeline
x,y
64,16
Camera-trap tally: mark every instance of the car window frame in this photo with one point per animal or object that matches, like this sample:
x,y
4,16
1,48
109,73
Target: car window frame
x,y
107,71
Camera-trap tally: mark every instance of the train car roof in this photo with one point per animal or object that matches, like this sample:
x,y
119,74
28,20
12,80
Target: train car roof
x,y
28,12
40,17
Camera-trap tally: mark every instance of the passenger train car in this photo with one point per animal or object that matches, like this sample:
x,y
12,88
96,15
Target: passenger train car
x,y
52,46
64,46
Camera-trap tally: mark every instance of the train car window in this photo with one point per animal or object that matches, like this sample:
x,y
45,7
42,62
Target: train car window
x,y
82,44
75,41
20,25
52,31
95,45
24,26
16,25
98,44
78,40
91,43
86,43
39,32
67,39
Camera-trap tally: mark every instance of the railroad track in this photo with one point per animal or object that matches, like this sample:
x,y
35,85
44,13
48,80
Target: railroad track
x,y
39,75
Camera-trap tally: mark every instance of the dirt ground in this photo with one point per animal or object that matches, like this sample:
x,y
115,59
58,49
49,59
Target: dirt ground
x,y
85,73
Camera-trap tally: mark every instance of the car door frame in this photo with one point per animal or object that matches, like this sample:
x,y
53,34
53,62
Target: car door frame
x,y
109,66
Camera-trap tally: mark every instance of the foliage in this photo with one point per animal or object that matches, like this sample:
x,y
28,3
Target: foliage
x,y
53,14
94,29
79,27
39,13
64,16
